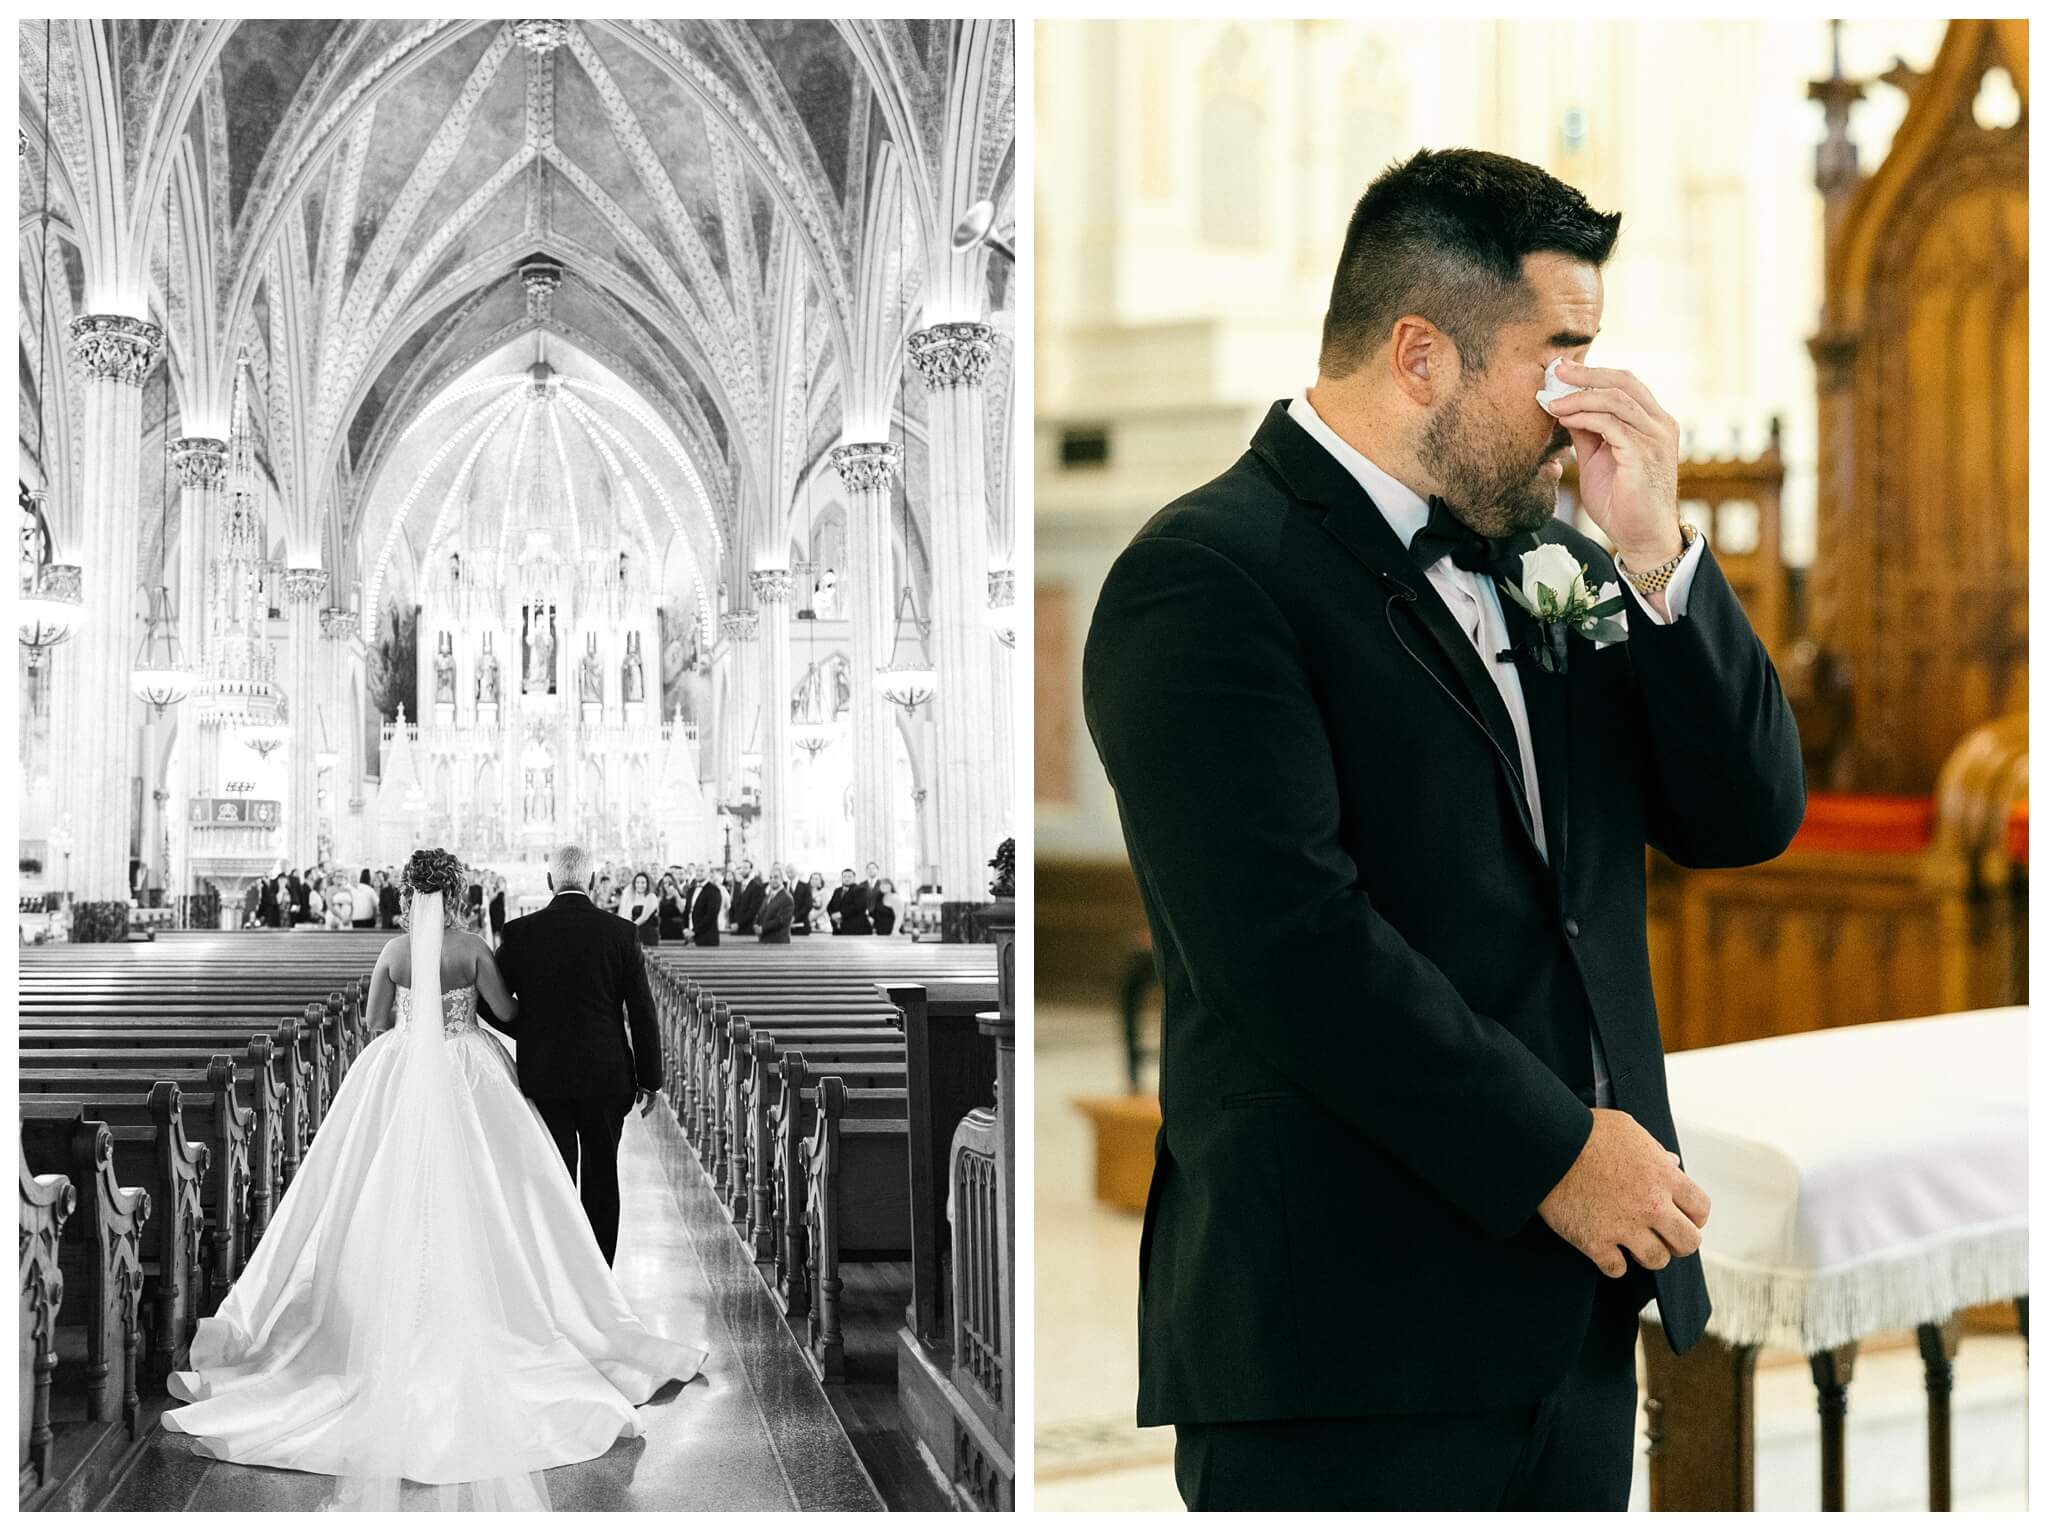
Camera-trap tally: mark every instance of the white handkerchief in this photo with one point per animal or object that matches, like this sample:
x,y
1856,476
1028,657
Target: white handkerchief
x,y
1552,389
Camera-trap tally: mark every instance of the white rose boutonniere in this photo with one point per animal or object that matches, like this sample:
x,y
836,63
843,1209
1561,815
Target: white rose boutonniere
x,y
1553,591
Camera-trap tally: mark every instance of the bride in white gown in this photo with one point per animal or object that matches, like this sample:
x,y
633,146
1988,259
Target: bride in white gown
x,y
429,1303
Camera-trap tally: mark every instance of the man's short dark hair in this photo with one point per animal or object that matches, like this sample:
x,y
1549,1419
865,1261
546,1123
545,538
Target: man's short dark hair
x,y
1443,235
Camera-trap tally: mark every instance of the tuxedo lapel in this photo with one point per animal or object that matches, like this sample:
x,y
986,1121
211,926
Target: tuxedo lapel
x,y
1547,699
1350,516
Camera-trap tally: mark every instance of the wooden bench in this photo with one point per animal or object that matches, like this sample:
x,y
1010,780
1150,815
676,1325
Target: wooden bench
x,y
211,1104
100,1258
47,1204
282,1088
152,1151
856,1179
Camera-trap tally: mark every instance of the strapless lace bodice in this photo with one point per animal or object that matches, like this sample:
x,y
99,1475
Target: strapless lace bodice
x,y
458,1009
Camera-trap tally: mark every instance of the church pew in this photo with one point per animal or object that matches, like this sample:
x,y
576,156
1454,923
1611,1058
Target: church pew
x,y
47,1204
290,1103
718,1067
857,1193
752,1089
952,1072
756,1045
100,1258
698,1047
215,1103
728,1066
151,1150
748,1092
875,1088
327,1045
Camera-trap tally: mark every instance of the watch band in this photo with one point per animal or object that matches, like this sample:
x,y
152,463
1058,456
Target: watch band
x,y
1650,581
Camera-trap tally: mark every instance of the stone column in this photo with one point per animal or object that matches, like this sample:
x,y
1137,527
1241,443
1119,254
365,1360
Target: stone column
x,y
1002,590
202,463
741,627
303,590
771,601
337,631
114,354
867,469
952,360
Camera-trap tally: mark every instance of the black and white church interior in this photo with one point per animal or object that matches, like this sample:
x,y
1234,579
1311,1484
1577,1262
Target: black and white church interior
x,y
494,436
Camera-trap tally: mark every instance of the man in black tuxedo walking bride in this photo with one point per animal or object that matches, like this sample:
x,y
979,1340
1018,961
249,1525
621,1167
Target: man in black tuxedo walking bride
x,y
581,982
1418,1172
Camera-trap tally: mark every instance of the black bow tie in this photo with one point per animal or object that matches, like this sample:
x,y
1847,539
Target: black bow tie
x,y
1446,534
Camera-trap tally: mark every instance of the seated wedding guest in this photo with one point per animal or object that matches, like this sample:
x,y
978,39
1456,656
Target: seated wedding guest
x,y
642,909
777,908
704,907
670,909
888,908
802,896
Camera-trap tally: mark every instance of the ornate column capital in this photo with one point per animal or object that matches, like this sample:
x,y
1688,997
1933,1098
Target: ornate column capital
x,y
202,461
115,348
305,585
337,623
952,355
867,467
740,626
771,586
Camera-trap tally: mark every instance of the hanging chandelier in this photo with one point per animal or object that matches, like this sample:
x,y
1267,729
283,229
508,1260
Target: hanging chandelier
x,y
49,606
909,680
811,730
159,676
50,593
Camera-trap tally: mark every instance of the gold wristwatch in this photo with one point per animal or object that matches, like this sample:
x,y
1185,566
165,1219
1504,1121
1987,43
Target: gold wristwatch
x,y
1653,580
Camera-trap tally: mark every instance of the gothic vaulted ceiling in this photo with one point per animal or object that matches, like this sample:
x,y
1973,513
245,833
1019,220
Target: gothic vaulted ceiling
x,y
352,204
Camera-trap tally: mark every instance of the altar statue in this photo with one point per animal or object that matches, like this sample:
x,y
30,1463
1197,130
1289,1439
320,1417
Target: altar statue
x,y
444,670
825,595
487,675
633,680
590,675
540,650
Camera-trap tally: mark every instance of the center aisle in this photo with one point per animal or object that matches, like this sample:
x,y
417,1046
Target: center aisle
x,y
753,1432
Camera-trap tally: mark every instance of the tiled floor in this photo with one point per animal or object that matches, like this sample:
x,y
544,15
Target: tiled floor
x,y
753,1432
1090,1456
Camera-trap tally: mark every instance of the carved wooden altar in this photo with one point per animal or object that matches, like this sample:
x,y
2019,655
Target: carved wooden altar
x,y
1919,589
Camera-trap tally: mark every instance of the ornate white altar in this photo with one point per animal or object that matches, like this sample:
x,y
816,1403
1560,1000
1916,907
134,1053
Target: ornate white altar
x,y
533,660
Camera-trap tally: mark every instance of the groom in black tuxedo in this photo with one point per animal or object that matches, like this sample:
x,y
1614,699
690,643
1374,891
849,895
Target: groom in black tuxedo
x,y
1418,1172
582,986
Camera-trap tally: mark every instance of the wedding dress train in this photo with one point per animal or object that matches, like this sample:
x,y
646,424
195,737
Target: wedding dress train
x,y
429,1303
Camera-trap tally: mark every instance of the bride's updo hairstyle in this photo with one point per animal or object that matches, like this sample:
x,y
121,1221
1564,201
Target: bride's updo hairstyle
x,y
433,871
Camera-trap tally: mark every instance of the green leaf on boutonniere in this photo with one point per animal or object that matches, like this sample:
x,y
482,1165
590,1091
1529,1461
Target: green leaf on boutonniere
x,y
1607,632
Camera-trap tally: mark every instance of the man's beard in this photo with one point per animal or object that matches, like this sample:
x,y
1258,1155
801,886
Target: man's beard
x,y
1494,490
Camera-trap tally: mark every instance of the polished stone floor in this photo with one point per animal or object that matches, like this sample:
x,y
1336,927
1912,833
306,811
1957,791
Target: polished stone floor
x,y
753,1432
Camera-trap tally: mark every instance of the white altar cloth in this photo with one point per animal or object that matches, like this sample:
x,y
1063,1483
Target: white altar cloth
x,y
1863,1178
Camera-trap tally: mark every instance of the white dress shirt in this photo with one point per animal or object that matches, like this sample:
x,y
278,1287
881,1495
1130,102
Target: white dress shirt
x,y
1474,600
